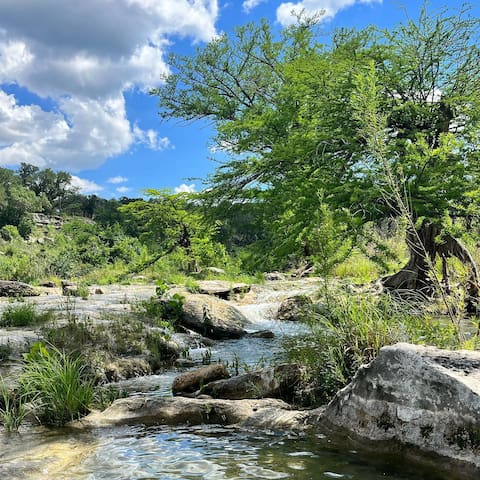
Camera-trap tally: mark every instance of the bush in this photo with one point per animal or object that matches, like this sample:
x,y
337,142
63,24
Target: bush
x,y
57,383
23,315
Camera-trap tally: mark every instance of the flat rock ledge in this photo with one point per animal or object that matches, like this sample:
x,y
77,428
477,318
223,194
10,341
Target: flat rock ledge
x,y
421,397
154,410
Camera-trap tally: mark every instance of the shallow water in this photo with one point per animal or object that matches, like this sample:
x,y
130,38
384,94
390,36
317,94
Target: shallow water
x,y
210,453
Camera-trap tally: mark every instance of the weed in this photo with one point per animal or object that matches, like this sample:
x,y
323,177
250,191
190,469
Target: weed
x,y
12,409
5,351
23,315
57,383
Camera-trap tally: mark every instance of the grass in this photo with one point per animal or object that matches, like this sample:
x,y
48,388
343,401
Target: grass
x,y
12,409
24,315
58,384
351,334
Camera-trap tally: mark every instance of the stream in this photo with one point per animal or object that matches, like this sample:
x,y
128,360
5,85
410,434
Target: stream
x,y
198,452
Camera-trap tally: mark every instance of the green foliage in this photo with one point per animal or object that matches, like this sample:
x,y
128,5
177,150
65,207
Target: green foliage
x,y
58,384
23,315
12,409
351,332
5,351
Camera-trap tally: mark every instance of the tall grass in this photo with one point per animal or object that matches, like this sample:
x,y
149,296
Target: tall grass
x,y
12,409
351,334
58,384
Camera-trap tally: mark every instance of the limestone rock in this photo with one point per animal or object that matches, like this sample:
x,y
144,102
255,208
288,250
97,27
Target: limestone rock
x,y
419,396
295,308
154,410
16,289
280,381
189,382
262,334
212,317
222,289
274,276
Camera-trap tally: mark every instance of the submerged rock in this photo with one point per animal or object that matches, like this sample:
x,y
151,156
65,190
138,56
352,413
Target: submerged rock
x,y
212,317
16,289
154,410
280,381
417,396
190,382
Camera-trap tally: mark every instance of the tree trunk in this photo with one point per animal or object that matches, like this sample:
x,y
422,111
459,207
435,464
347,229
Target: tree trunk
x,y
416,274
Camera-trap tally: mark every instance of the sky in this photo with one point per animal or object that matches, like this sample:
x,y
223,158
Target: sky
x,y
75,77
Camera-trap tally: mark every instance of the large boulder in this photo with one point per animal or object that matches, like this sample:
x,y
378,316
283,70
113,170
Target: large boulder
x,y
281,381
16,289
418,396
222,289
190,382
212,317
155,410
295,308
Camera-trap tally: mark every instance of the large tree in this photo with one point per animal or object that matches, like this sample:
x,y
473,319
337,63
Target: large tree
x,y
302,123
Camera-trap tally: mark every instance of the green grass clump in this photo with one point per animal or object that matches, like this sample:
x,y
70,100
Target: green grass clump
x,y
58,384
23,315
12,408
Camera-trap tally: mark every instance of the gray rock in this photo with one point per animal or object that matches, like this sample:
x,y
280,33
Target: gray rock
x,y
212,317
16,289
280,381
189,382
154,410
419,396
222,289
274,276
295,308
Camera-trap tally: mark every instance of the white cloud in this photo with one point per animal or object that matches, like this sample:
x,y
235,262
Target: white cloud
x,y
249,5
183,188
117,179
151,139
85,186
286,12
84,56
123,189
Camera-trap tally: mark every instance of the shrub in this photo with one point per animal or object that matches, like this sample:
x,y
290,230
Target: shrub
x,y
57,383
23,315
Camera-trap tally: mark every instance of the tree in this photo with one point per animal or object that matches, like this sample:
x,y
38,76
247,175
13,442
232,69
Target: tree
x,y
290,113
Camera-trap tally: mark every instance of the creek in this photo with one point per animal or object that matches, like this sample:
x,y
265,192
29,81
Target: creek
x,y
198,452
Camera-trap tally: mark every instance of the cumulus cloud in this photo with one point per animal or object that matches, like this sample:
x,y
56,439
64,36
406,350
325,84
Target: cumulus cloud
x,y
287,12
249,5
123,189
117,179
83,56
184,188
85,186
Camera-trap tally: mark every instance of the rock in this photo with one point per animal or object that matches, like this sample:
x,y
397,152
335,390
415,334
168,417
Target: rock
x,y
212,317
16,289
295,308
213,270
280,381
184,363
155,410
222,289
274,276
124,368
416,396
261,334
190,382
98,291
49,284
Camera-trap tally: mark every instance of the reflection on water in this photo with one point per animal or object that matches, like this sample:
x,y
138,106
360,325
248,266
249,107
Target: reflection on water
x,y
204,452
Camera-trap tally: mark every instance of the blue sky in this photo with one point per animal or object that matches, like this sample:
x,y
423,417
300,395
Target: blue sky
x,y
74,77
